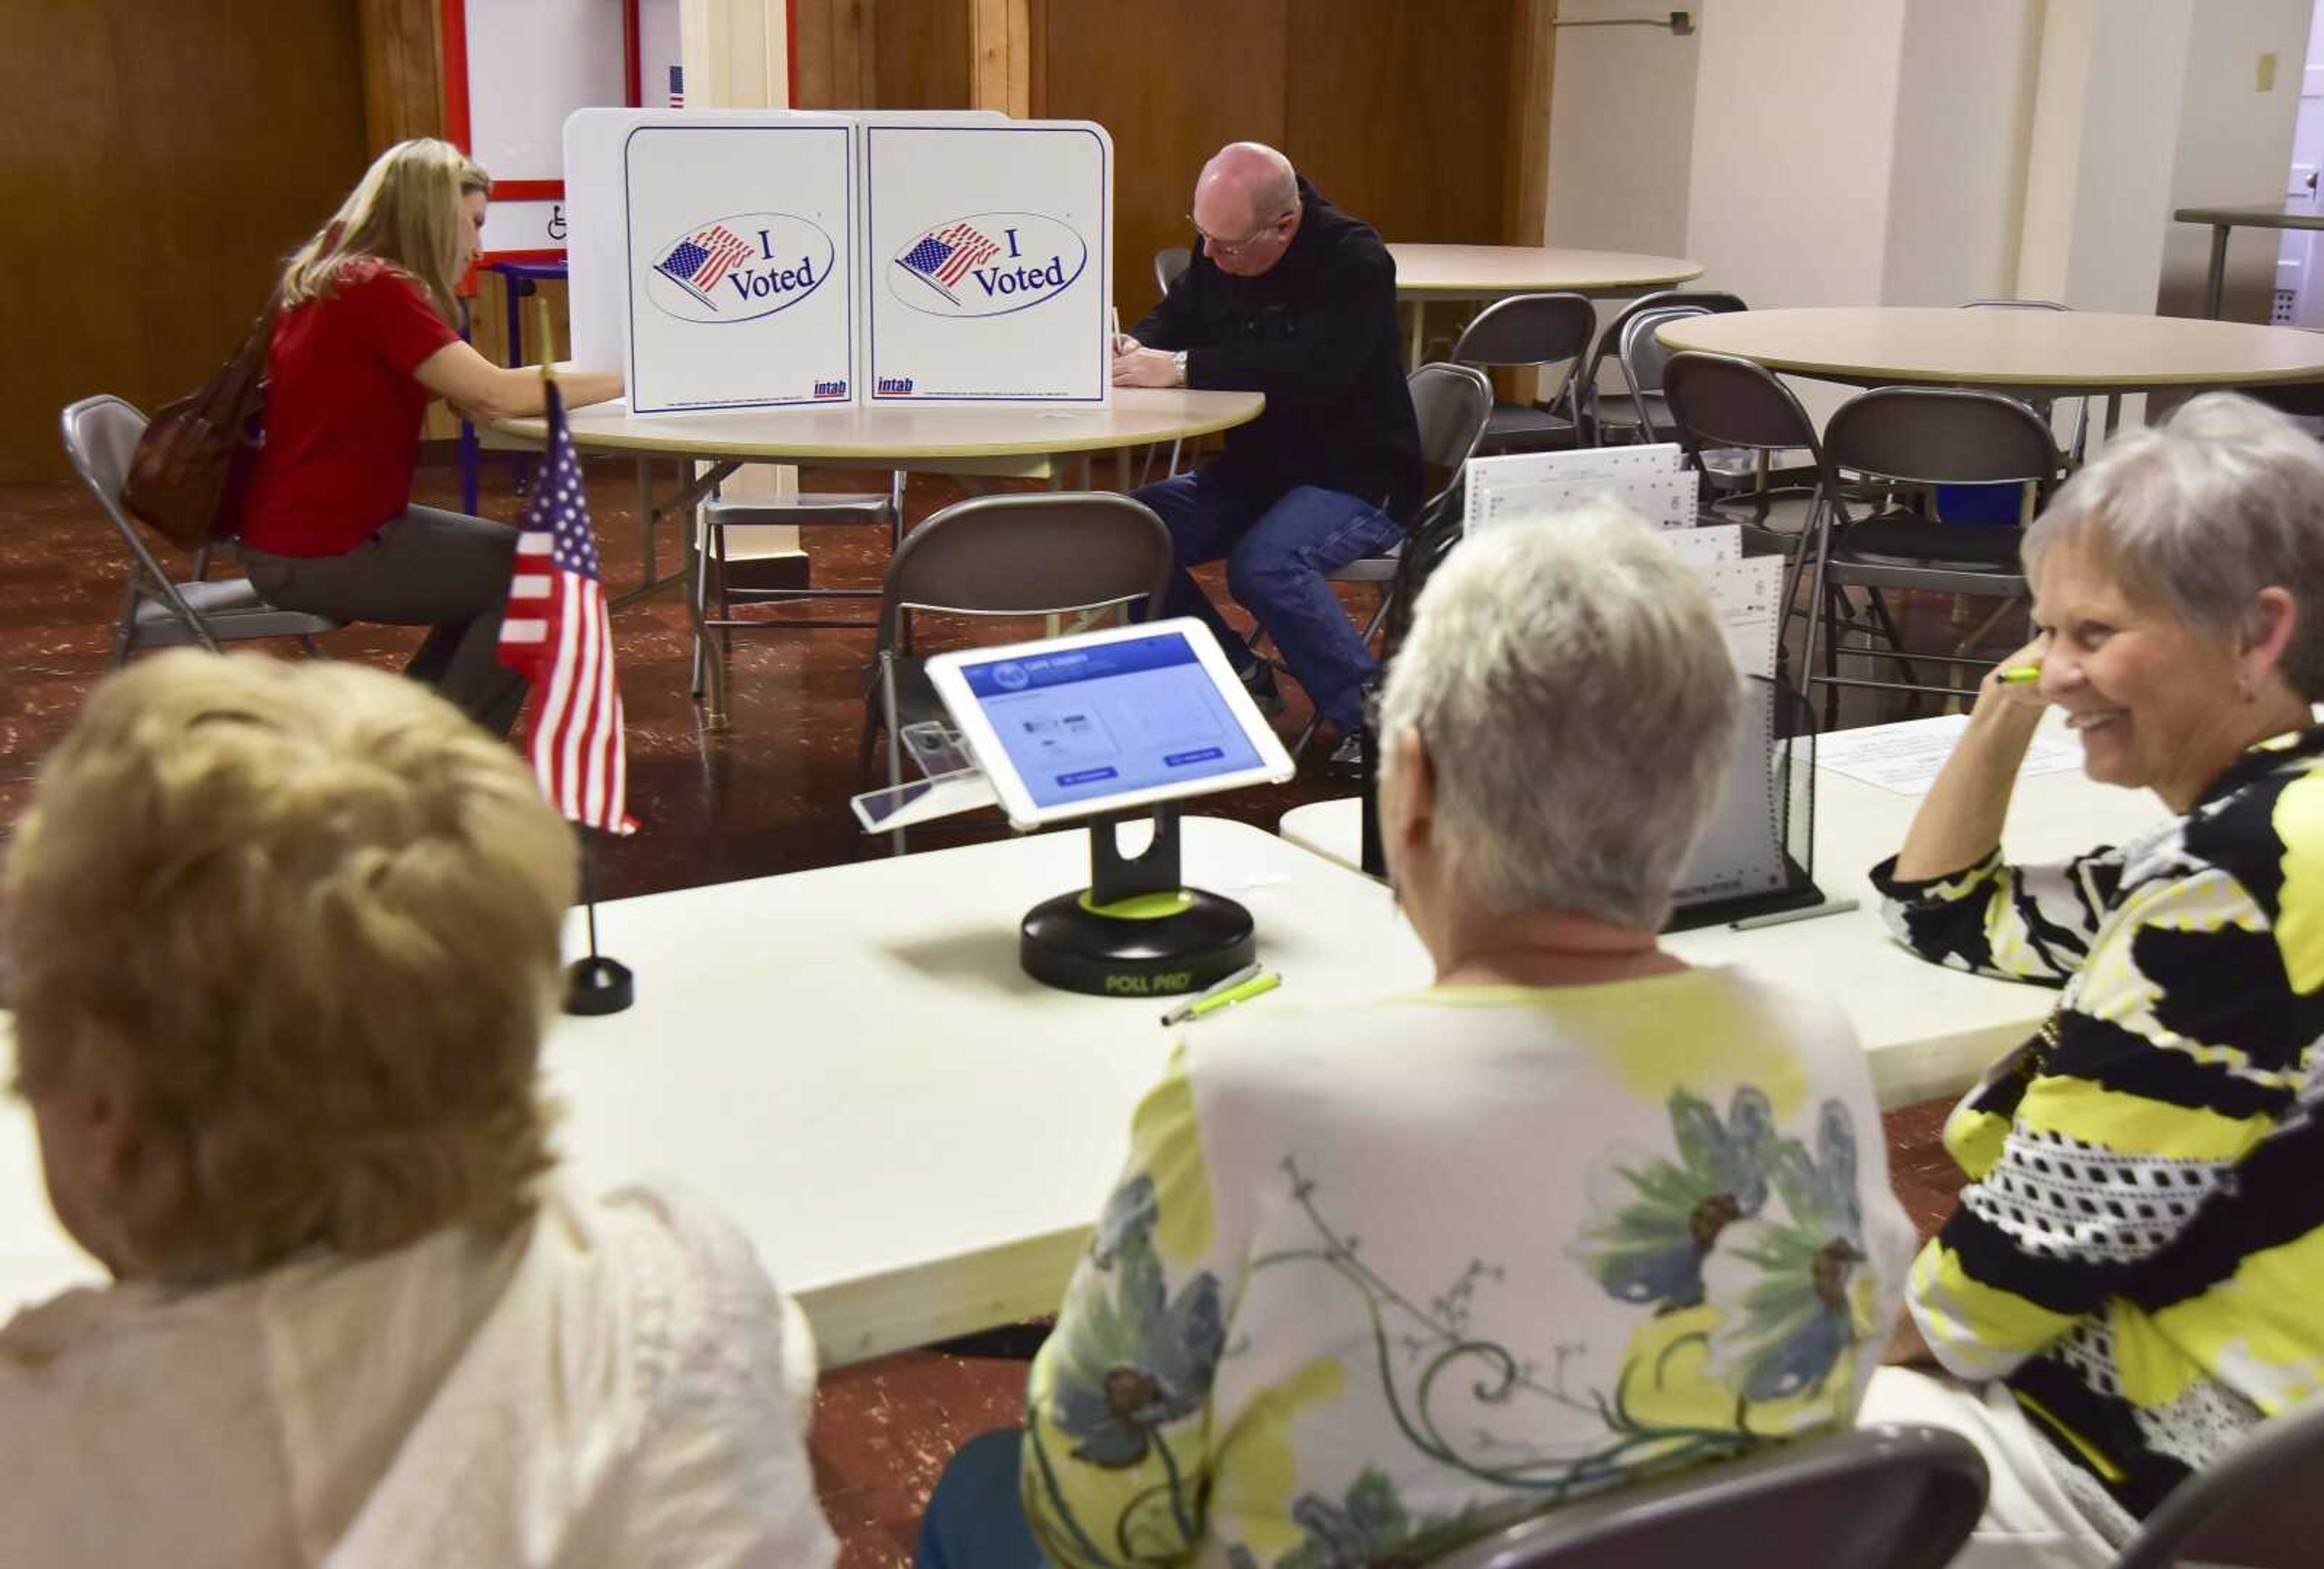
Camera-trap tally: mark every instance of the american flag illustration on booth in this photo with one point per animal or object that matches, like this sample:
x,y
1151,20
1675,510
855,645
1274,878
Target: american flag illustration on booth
x,y
698,261
555,634
941,258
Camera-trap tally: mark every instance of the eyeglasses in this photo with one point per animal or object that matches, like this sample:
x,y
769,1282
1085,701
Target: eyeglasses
x,y
1231,249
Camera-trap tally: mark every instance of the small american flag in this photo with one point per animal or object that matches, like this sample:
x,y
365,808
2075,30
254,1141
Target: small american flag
x,y
700,260
555,635
677,86
944,256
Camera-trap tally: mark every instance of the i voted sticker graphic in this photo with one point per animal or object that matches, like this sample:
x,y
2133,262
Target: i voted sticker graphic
x,y
740,268
987,265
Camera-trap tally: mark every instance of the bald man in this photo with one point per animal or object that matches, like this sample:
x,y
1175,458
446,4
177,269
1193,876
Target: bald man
x,y
1290,297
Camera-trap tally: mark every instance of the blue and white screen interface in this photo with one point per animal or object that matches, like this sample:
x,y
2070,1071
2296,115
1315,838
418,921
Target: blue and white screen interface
x,y
1111,718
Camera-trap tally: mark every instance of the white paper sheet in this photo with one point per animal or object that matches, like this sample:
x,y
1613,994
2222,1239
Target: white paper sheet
x,y
1652,481
1746,592
1712,542
1904,758
1741,850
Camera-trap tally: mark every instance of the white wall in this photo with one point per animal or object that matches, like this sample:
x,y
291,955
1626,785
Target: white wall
x,y
2234,146
1788,189
1964,107
1621,132
2105,128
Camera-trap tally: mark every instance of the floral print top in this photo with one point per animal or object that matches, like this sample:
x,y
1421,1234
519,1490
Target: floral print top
x,y
1377,1279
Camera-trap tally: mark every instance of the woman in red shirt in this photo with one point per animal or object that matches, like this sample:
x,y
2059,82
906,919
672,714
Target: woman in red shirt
x,y
366,337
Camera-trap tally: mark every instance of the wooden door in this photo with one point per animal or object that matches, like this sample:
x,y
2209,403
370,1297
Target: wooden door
x,y
1172,84
157,161
1398,112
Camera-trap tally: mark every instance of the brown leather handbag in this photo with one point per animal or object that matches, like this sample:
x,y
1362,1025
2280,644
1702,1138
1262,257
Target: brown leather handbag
x,y
186,477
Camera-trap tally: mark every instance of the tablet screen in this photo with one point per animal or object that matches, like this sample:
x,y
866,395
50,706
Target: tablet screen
x,y
1108,719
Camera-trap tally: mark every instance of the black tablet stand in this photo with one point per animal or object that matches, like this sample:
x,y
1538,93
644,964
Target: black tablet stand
x,y
1134,931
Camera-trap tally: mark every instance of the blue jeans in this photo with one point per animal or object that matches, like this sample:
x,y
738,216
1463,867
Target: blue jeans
x,y
1276,555
973,1519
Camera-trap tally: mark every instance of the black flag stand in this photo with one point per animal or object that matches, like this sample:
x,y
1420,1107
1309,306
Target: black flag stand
x,y
596,985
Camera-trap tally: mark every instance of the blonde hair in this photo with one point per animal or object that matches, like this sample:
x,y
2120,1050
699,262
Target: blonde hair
x,y
312,913
404,211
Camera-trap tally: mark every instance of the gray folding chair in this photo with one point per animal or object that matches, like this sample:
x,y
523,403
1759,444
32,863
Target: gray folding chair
x,y
157,610
1724,400
1601,424
1452,403
1642,356
1531,331
2250,1510
1922,436
1864,1497
1059,553
1169,263
716,582
2076,443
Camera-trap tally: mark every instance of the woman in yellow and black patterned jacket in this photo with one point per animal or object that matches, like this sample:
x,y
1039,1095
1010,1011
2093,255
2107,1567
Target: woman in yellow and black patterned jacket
x,y
2135,1276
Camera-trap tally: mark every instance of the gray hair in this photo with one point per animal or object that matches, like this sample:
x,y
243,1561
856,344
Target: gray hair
x,y
1571,683
2200,514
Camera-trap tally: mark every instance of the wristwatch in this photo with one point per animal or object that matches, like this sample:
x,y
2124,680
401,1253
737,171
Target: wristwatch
x,y
1178,368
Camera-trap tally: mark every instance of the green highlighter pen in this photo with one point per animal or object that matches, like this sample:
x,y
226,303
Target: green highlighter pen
x,y
1242,993
2023,675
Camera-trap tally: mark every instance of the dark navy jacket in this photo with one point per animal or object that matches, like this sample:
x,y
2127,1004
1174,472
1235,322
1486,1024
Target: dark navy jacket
x,y
1317,334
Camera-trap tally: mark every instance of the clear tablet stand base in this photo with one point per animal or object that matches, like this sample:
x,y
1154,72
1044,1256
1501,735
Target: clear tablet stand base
x,y
1134,931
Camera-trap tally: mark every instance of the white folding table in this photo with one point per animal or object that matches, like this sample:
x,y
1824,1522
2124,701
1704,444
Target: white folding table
x,y
917,1136
849,1062
1927,1030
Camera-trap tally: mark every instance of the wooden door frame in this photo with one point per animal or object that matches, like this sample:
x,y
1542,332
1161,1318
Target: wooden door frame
x,y
1001,47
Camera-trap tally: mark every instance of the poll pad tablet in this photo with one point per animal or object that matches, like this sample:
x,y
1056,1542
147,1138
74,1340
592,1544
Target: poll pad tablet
x,y
1099,722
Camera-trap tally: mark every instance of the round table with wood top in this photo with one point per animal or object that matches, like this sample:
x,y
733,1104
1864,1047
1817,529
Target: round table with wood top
x,y
1021,442
1431,272
2035,353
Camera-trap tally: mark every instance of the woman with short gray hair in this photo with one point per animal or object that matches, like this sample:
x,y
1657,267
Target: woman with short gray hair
x,y
1378,1277
1574,738
2128,1284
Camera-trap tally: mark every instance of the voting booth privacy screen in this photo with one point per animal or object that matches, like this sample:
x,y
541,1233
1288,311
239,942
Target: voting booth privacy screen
x,y
763,259
989,262
736,241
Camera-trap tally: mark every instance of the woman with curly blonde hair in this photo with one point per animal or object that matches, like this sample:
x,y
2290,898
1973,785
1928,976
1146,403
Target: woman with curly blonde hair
x,y
284,937
367,334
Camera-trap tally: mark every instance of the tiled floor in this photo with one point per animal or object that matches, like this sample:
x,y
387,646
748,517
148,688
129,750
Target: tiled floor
x,y
767,796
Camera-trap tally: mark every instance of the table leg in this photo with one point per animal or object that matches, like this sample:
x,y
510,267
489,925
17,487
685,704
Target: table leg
x,y
695,593
645,520
470,462
2113,415
692,583
2217,288
514,289
1419,345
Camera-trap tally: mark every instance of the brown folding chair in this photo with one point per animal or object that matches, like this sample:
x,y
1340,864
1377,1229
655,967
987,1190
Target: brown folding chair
x,y
1055,554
